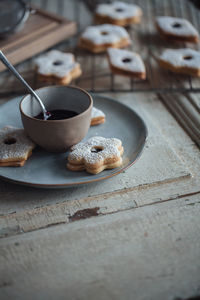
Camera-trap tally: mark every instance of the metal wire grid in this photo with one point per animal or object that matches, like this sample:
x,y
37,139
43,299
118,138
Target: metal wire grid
x,y
97,76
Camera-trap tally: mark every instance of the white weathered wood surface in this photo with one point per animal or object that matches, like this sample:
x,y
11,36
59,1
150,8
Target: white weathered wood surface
x,y
134,236
136,248
145,253
146,41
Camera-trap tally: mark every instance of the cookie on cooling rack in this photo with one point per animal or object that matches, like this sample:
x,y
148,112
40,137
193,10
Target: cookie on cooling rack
x,y
177,29
97,117
118,13
184,61
98,38
15,147
126,63
96,155
57,67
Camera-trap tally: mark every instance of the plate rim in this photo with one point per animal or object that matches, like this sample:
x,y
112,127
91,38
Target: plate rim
x,y
67,185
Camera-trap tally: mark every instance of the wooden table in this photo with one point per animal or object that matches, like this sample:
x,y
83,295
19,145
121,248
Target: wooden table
x,y
134,236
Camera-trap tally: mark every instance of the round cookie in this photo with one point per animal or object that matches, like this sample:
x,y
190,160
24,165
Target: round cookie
x,y
126,63
100,37
184,61
177,29
96,155
118,13
57,67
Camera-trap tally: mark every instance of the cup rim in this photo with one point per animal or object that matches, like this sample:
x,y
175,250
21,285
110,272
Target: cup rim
x,y
55,121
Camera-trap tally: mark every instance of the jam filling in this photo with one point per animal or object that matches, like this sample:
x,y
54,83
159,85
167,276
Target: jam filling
x,y
58,114
176,25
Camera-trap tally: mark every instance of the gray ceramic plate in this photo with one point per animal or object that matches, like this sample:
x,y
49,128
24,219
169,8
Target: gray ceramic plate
x,y
48,170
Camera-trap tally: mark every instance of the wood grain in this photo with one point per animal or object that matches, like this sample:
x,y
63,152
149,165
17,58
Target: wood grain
x,y
135,236
148,253
168,169
41,31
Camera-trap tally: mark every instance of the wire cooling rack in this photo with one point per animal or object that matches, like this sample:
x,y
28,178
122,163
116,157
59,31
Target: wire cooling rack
x,y
97,76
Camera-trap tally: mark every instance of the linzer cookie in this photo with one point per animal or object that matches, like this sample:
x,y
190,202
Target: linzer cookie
x,y
185,61
177,29
98,38
118,13
126,63
15,147
96,155
97,117
57,67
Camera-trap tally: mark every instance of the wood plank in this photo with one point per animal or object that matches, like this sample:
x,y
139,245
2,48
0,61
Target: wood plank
x,y
168,169
41,31
186,112
35,22
146,41
150,252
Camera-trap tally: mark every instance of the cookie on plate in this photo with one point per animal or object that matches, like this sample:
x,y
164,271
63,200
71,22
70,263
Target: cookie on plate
x,y
184,61
96,155
15,147
97,117
126,63
57,67
177,29
98,38
118,13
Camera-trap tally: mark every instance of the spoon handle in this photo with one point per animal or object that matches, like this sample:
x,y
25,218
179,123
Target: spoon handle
x,y
14,71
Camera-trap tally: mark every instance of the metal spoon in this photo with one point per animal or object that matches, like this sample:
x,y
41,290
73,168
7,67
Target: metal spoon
x,y
31,91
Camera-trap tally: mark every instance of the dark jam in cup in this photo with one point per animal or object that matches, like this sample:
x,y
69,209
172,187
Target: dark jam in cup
x,y
58,114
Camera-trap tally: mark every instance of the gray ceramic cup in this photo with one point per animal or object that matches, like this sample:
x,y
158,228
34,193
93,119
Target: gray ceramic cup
x,y
57,135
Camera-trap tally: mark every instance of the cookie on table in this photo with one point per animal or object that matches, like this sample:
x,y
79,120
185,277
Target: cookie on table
x,y
98,38
57,67
15,147
97,117
118,13
96,155
126,63
184,61
177,29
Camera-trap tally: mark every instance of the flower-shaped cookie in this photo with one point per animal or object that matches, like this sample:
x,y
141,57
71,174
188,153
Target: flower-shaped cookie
x,y
15,147
127,63
185,61
118,13
96,155
59,67
98,38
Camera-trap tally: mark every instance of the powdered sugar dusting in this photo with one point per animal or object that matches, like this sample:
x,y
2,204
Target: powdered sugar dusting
x,y
113,34
117,56
19,149
82,151
97,113
178,57
118,10
56,63
185,28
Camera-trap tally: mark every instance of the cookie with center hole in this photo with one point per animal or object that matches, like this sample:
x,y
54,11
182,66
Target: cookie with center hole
x,y
126,63
57,67
177,29
96,155
183,61
15,147
118,13
98,38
